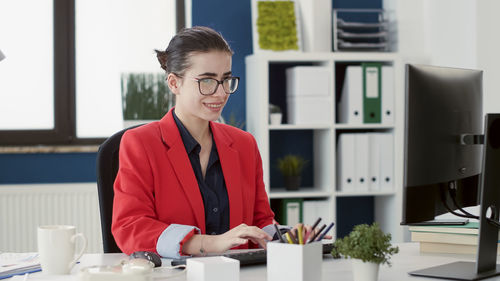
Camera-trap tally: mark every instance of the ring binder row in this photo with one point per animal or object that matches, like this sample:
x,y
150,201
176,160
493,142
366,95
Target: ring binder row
x,y
367,95
365,162
363,30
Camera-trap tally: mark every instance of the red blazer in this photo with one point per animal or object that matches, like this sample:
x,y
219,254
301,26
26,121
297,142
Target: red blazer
x,y
156,186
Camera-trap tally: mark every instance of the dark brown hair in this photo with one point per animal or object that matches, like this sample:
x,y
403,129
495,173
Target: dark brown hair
x,y
175,59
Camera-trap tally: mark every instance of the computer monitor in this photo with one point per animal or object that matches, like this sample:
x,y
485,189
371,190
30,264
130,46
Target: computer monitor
x,y
449,163
442,106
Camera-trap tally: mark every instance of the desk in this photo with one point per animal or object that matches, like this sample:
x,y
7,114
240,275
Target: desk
x,y
408,259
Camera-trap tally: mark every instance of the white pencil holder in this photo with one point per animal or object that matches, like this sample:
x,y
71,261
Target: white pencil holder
x,y
294,262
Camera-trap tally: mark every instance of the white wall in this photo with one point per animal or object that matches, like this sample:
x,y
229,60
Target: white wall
x,y
488,52
454,33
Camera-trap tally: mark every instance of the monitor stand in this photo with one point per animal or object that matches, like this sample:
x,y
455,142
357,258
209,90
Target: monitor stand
x,y
485,265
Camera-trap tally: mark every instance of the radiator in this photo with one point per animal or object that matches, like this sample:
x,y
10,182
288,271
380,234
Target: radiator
x,y
24,207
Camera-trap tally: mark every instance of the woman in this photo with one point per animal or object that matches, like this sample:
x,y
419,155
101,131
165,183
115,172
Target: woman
x,y
188,185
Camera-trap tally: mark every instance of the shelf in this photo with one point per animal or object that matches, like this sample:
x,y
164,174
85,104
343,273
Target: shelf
x,y
318,142
279,193
300,127
319,57
367,193
363,126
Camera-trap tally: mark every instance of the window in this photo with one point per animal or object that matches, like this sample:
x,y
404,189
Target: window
x,y
63,63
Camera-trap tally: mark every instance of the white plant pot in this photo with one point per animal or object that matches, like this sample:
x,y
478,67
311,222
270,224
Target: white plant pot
x,y
275,118
364,271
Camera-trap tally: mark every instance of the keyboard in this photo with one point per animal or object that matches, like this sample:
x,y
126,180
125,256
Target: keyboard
x,y
249,256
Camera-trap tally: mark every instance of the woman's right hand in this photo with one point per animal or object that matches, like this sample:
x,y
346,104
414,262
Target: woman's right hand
x,y
235,237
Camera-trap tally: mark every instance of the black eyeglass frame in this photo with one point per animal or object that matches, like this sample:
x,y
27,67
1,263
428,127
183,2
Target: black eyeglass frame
x,y
218,83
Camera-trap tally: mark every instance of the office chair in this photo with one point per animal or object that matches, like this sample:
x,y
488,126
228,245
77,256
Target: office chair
x,y
107,168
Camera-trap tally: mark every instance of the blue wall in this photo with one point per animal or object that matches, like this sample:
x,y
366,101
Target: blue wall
x,y
233,20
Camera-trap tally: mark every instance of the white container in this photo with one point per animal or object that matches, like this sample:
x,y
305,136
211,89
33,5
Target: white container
x,y
213,269
316,20
275,118
309,81
293,262
309,110
364,271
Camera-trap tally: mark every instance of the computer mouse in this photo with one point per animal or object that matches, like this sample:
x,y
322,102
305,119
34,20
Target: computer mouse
x,y
150,256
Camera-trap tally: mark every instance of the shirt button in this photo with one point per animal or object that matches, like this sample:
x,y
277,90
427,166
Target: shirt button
x,y
215,210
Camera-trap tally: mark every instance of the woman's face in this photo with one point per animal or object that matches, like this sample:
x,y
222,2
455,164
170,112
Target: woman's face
x,y
190,103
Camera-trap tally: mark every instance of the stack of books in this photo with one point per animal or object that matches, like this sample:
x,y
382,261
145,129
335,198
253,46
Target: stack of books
x,y
459,239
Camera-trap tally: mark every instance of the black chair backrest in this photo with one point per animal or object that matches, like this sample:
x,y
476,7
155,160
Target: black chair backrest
x,y
107,168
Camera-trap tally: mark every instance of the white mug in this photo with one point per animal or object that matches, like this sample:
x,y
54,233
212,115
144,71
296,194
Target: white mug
x,y
56,247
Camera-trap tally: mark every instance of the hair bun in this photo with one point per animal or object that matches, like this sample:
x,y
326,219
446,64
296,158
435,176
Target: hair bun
x,y
162,58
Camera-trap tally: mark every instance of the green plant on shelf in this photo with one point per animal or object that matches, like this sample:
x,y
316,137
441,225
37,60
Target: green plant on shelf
x,y
145,96
274,108
291,165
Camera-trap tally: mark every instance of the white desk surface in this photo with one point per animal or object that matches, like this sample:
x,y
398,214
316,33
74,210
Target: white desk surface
x,y
408,259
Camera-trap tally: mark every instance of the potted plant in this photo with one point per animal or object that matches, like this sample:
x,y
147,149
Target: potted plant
x,y
368,247
275,114
291,167
145,97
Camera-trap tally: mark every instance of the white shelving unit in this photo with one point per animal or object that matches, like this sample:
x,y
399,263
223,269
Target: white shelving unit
x,y
387,210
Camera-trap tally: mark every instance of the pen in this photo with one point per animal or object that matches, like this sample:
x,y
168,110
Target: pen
x,y
313,228
317,233
316,223
307,236
294,241
287,235
325,232
278,232
299,231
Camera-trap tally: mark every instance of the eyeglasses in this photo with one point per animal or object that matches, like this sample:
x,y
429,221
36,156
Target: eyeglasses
x,y
208,86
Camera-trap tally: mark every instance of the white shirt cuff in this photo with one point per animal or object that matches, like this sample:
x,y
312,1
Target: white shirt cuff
x,y
168,244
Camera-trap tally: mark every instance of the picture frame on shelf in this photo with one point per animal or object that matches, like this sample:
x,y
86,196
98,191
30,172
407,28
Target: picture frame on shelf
x,y
276,26
145,97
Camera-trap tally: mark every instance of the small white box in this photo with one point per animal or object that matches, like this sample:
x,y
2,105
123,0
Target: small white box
x,y
309,110
213,269
308,81
293,262
316,18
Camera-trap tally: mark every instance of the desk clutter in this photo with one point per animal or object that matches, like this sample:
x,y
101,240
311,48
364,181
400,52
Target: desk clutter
x,y
18,264
250,256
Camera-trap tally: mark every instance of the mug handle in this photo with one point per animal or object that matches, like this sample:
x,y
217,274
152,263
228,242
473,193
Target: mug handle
x,y
84,246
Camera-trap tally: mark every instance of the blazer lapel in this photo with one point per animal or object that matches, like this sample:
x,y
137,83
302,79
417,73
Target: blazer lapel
x,y
230,162
182,167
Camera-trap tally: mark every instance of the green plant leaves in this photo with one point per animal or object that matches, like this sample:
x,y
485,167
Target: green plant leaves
x,y
367,243
291,165
145,96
